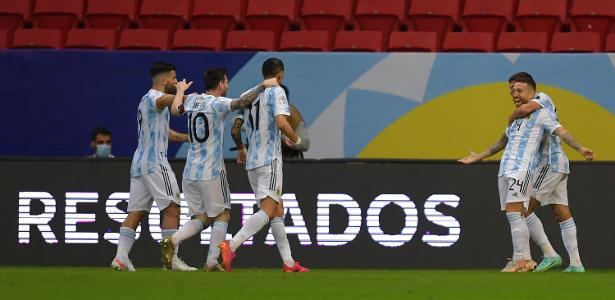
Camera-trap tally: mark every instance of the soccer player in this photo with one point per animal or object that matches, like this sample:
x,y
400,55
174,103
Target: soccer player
x,y
204,181
151,176
522,139
265,119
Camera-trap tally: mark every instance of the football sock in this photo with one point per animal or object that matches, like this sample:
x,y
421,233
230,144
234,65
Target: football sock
x,y
520,236
569,236
127,239
252,225
218,235
281,240
189,229
538,235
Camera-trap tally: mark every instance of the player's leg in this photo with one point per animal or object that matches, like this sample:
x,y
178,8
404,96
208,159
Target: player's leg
x,y
193,193
218,235
512,191
218,206
537,233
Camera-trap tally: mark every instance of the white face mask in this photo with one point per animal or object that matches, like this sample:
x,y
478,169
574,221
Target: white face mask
x,y
103,150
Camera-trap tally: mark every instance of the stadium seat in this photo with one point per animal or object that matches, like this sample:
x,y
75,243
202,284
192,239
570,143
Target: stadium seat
x,y
523,42
37,38
144,39
332,16
14,13
593,15
305,41
198,39
275,16
253,40
358,41
64,15
610,43
110,14
487,15
164,14
576,42
216,14
91,39
383,16
4,39
437,16
544,15
413,41
468,42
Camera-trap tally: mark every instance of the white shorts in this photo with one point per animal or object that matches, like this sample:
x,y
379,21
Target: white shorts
x,y
550,187
266,181
514,188
160,186
209,197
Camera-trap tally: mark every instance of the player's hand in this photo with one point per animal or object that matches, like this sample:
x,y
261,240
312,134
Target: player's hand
x,y
270,82
470,159
289,143
588,154
242,154
183,86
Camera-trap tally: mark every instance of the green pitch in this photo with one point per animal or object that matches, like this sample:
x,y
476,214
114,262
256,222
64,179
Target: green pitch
x,y
104,283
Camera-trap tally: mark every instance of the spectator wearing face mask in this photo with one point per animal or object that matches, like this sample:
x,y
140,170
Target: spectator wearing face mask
x,y
101,143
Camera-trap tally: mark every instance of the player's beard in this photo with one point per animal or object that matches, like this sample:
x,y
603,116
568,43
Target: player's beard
x,y
170,89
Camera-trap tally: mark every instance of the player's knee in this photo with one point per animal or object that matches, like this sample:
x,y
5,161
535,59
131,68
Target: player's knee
x,y
172,211
204,219
225,216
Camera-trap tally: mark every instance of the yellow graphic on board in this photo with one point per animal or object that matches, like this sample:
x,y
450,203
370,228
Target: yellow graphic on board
x,y
474,118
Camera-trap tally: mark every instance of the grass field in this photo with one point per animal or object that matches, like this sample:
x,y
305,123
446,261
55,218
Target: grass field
x,y
103,283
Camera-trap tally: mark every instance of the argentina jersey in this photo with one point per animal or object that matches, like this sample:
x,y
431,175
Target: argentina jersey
x,y
153,132
206,116
552,152
264,137
524,138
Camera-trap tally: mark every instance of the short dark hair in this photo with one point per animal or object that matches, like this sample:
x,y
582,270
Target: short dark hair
x,y
161,67
213,77
523,77
286,91
272,67
100,131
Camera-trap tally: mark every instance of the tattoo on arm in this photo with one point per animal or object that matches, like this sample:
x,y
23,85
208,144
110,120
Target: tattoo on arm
x,y
497,147
570,141
247,98
236,132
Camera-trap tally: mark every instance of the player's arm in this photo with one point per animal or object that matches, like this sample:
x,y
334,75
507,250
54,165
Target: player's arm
x,y
282,123
177,107
175,136
248,97
524,110
242,151
567,137
476,157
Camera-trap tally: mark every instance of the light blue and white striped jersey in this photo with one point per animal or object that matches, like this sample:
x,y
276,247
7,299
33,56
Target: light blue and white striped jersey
x,y
153,131
264,137
551,151
524,138
206,115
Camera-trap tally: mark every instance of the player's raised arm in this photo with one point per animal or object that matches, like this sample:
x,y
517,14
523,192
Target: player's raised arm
x,y
524,110
177,103
242,151
476,157
175,136
567,137
248,97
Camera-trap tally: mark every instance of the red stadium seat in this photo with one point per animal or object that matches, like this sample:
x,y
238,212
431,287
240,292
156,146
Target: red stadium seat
x,y
37,38
64,15
328,15
383,16
468,42
523,42
14,13
544,15
305,41
110,14
437,16
413,41
4,39
91,39
275,16
144,39
610,43
216,14
358,41
487,15
576,42
253,40
593,15
164,14
198,39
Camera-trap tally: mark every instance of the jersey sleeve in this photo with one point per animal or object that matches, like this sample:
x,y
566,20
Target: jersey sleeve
x,y
548,121
238,114
153,97
189,103
223,105
279,102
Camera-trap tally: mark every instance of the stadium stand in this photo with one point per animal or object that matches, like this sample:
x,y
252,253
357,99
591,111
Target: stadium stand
x,y
487,15
144,39
576,42
317,40
253,40
163,14
4,39
275,16
14,13
358,41
198,39
215,14
592,15
609,46
436,16
413,41
523,42
91,39
545,15
383,16
64,15
110,14
45,38
331,16
468,42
